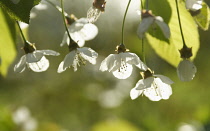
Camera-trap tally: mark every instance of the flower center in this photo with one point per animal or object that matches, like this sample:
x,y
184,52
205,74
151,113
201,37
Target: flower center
x,y
123,67
147,73
29,48
121,49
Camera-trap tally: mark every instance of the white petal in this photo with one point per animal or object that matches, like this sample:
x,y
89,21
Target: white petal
x,y
89,31
123,72
117,63
69,58
165,79
50,52
75,62
133,59
164,90
193,4
20,66
88,54
93,14
135,93
39,66
78,25
144,83
152,94
76,36
65,40
144,26
34,56
163,26
108,63
186,70
196,7
60,68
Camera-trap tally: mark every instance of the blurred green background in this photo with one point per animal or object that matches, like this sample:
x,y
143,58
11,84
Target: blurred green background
x,y
90,100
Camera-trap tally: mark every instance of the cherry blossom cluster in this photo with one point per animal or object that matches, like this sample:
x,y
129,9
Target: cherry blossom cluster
x,y
120,64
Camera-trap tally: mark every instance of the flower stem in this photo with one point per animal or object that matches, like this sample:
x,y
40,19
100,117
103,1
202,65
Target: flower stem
x,y
57,7
64,20
180,25
122,41
21,32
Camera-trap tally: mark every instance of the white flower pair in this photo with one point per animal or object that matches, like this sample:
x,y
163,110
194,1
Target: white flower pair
x,y
80,31
155,87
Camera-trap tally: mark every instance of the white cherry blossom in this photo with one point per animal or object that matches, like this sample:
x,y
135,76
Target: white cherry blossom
x,y
35,60
76,57
155,87
121,64
193,5
186,70
148,20
80,31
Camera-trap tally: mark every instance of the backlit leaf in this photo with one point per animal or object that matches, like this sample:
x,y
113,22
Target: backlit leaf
x,y
168,49
7,42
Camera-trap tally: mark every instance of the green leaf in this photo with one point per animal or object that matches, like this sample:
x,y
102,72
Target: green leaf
x,y
202,19
7,42
169,49
20,11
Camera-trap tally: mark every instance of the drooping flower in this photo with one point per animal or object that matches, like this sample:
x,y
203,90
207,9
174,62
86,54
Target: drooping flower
x,y
193,5
80,31
77,56
149,19
120,64
34,59
186,69
95,11
155,87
